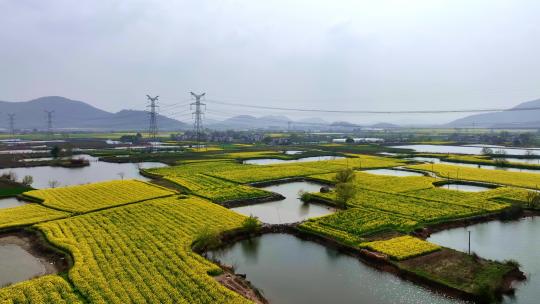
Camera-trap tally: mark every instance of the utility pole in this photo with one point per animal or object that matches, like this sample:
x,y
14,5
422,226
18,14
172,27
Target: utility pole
x,y
198,125
469,241
49,121
11,123
153,128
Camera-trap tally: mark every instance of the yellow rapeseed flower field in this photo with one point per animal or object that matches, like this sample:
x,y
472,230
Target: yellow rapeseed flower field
x,y
138,253
28,214
84,198
403,247
518,179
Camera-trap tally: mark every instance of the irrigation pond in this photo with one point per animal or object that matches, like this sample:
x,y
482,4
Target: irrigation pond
x,y
477,149
517,240
291,270
271,161
97,171
10,202
24,256
392,172
289,210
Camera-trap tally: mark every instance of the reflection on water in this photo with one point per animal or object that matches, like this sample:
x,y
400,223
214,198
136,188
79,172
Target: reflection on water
x,y
528,161
289,210
290,270
270,161
464,187
517,240
97,171
293,152
488,167
17,264
463,149
10,202
392,172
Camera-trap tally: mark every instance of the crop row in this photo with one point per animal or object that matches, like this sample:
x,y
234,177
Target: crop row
x,y
242,173
518,179
350,225
141,253
216,189
389,183
403,247
84,198
43,290
28,214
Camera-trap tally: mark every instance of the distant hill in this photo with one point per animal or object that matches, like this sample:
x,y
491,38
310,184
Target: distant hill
x,y
247,122
77,115
504,119
385,125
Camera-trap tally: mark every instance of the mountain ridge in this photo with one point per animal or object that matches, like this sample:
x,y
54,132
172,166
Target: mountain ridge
x,y
503,119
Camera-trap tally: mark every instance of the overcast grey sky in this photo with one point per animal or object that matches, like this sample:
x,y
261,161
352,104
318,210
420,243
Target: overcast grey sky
x,y
375,55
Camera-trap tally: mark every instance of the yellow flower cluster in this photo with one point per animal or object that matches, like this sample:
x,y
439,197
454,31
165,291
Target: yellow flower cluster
x,y
241,173
403,247
140,253
519,179
216,189
97,196
357,222
43,290
28,214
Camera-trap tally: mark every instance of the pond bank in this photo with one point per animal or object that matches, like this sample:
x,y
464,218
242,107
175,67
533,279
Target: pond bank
x,y
372,259
27,255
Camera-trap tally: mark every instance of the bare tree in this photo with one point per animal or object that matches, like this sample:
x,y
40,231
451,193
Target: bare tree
x,y
121,174
27,180
53,183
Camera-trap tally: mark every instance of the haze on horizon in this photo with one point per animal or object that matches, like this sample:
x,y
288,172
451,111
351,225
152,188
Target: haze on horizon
x,y
364,55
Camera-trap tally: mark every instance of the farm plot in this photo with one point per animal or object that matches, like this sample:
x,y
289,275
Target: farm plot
x,y
28,214
216,189
492,200
518,179
403,247
242,173
46,289
421,210
141,253
350,225
96,196
393,184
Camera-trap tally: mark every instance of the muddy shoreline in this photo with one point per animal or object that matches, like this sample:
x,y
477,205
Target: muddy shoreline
x,y
53,259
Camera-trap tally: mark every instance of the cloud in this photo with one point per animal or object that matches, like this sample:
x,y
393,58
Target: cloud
x,y
378,55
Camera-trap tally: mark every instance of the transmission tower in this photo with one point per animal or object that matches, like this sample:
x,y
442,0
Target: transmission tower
x,y
198,125
153,128
11,123
49,121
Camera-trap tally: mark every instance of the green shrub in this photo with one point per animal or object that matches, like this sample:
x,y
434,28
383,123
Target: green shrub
x,y
251,223
206,239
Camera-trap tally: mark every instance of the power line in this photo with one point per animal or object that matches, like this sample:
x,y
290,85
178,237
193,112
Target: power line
x,y
153,128
198,126
374,112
